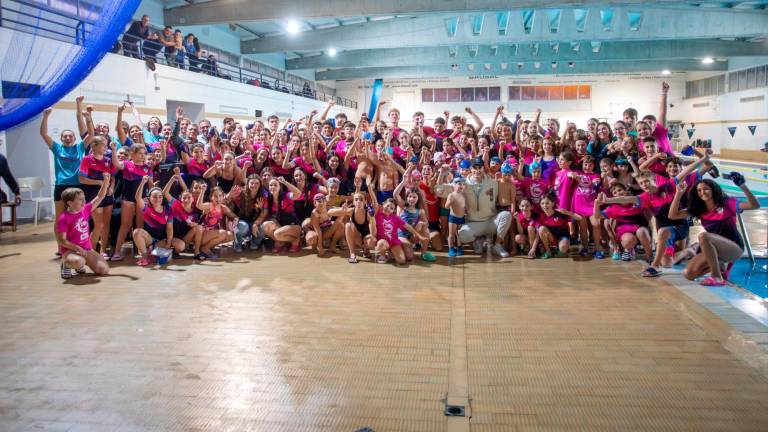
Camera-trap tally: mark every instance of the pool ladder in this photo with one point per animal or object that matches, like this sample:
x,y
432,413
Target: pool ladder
x,y
745,236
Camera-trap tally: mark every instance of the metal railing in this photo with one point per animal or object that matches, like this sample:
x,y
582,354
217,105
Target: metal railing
x,y
38,18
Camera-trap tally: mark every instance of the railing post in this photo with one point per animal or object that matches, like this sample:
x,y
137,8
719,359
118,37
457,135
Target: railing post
x,y
745,235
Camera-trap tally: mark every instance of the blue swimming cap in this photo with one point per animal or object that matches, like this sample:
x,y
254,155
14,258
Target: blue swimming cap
x,y
415,159
688,151
622,161
465,164
390,151
495,159
534,166
506,168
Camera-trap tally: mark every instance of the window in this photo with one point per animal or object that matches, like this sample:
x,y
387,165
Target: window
x,y
556,92
585,92
514,93
453,95
570,92
494,93
481,94
440,95
467,95
426,95
528,92
542,93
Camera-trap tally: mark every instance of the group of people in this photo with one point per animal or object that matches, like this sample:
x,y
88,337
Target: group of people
x,y
517,187
184,52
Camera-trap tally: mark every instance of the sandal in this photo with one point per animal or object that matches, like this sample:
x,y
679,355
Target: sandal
x,y
143,262
381,259
201,256
117,256
709,281
352,259
650,272
277,249
295,248
428,257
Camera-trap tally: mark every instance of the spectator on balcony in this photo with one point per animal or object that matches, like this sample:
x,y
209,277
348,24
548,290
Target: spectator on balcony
x,y
192,47
211,67
152,46
169,42
137,32
178,44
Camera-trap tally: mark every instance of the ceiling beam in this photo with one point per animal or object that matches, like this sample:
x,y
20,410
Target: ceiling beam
x,y
609,51
227,11
545,68
657,24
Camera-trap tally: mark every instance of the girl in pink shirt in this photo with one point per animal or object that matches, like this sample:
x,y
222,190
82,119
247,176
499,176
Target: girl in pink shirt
x,y
385,227
587,186
73,233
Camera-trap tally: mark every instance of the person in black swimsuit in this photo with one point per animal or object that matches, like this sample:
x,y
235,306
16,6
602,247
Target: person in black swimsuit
x,y
358,229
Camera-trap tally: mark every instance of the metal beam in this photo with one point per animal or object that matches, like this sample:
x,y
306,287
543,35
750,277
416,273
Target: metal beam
x,y
609,51
227,11
545,68
429,30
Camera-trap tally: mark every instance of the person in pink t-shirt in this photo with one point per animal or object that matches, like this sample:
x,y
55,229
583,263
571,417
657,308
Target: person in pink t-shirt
x,y
74,235
660,132
386,224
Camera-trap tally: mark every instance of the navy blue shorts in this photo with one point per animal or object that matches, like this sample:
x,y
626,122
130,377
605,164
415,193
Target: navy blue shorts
x,y
456,220
679,233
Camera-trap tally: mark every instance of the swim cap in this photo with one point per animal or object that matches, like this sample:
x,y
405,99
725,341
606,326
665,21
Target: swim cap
x,y
534,166
465,164
506,168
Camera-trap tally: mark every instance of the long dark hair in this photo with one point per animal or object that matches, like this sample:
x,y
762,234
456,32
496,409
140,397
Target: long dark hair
x,y
697,206
247,208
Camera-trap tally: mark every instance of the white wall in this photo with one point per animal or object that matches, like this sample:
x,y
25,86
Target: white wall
x,y
611,94
117,76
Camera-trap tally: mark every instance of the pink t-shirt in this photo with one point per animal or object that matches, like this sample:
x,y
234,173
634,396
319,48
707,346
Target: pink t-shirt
x,y
564,189
387,226
585,193
662,138
75,227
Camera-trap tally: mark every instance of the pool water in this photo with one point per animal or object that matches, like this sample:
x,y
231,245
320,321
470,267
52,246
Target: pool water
x,y
752,278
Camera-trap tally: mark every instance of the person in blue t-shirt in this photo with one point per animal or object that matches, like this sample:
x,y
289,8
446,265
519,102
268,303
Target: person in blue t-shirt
x,y
67,156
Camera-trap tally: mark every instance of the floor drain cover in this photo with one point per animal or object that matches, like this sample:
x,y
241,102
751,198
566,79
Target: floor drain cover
x,y
365,429
454,410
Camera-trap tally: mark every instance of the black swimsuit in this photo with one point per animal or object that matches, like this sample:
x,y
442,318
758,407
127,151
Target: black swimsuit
x,y
363,228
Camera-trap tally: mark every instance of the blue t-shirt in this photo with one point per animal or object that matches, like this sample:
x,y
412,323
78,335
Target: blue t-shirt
x,y
149,137
66,162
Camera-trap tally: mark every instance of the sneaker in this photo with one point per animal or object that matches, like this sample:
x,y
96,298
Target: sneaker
x,y
428,257
66,272
459,251
500,251
583,252
477,245
451,252
545,255
237,246
599,255
81,270
626,256
616,256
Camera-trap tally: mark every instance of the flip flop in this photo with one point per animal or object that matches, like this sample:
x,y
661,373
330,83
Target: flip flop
x,y
352,260
650,272
709,281
116,257
381,259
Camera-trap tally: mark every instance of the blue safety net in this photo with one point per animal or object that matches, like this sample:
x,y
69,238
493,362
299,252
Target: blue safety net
x,y
47,47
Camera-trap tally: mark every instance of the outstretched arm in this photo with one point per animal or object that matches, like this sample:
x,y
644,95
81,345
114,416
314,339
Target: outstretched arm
x,y
44,128
475,117
663,107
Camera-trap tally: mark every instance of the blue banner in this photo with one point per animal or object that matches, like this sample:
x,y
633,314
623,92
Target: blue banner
x,y
752,129
690,132
375,96
732,130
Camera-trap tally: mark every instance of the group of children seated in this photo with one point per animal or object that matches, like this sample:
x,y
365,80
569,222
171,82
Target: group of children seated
x,y
385,193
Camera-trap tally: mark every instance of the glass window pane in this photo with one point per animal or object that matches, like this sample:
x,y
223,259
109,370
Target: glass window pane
x,y
528,92
542,93
494,93
733,83
761,76
481,94
751,78
426,95
467,95
514,93
439,95
453,95
570,92
742,80
585,92
556,93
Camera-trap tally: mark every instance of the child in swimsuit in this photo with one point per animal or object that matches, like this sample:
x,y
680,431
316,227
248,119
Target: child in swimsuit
x,y
456,203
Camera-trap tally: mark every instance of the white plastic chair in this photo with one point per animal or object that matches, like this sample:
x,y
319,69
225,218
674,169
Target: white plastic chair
x,y
34,185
